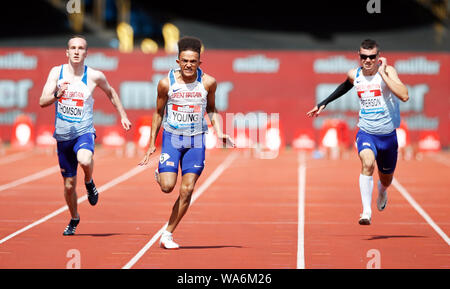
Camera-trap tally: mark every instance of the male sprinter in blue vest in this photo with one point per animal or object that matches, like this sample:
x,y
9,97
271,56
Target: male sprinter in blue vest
x,y
379,90
69,87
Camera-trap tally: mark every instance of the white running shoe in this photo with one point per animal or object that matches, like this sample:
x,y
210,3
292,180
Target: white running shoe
x,y
167,242
381,200
365,218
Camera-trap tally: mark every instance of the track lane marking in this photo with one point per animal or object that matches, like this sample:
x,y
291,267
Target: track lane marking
x,y
36,176
30,178
301,211
16,157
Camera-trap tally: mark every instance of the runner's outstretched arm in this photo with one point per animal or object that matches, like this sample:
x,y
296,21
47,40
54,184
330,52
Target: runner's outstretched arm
x,y
161,101
342,89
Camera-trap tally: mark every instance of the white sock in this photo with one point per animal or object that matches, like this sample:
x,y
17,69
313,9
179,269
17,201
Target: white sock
x,y
166,233
366,188
381,188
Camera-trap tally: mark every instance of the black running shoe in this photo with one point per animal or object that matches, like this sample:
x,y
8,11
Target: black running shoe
x,y
92,193
70,229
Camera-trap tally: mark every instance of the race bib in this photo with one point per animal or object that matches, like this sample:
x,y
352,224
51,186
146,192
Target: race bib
x,y
180,116
71,106
372,101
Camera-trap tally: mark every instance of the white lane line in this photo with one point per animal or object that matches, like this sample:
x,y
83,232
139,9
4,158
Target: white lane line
x,y
110,184
214,176
16,156
442,159
421,211
301,211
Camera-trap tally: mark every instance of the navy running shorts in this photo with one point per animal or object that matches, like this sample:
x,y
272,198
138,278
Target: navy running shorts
x,y
385,148
186,151
67,153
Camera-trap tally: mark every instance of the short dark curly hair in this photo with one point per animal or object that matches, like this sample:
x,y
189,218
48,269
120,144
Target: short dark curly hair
x,y
189,43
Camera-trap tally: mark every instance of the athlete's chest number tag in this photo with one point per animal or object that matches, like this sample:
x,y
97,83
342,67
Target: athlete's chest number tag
x,y
372,101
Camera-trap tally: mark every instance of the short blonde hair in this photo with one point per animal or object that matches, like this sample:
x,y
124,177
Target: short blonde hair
x,y
77,36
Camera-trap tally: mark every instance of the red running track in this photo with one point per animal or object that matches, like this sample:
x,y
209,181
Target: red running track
x,y
246,217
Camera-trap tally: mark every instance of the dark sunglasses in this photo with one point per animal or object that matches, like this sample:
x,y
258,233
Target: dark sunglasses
x,y
364,57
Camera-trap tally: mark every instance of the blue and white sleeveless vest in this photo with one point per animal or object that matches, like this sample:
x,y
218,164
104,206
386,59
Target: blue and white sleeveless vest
x,y
186,106
379,107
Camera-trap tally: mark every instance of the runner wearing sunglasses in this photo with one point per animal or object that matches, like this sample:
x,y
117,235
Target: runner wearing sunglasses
x,y
379,89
